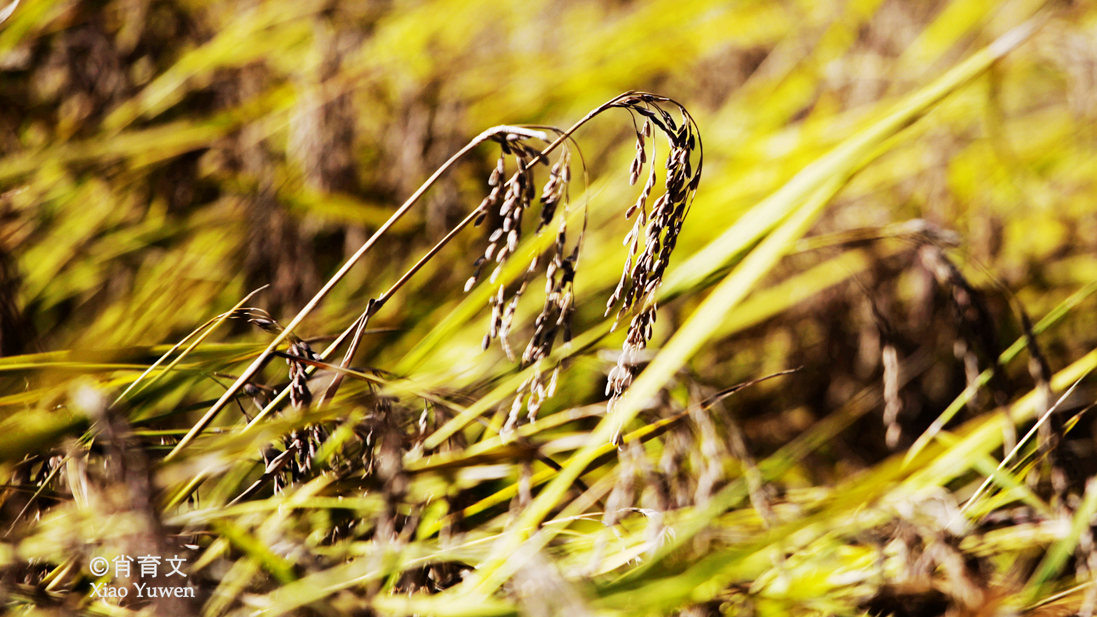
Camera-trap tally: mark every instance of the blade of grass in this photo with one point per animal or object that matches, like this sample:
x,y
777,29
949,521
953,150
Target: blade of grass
x,y
1020,444
818,184
1059,552
203,332
1004,359
839,161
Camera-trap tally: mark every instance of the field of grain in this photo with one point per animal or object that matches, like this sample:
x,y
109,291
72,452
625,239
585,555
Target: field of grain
x,y
585,307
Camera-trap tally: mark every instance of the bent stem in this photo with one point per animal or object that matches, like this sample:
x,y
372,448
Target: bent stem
x,y
259,361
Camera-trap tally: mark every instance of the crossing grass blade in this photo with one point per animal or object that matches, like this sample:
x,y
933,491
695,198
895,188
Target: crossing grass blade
x,y
805,197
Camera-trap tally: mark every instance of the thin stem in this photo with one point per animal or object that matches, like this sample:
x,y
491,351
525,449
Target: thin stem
x,y
332,282
360,324
504,129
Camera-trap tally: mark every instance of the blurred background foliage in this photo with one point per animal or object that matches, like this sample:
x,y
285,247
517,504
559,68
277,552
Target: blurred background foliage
x,y
161,159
